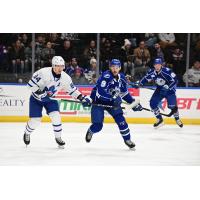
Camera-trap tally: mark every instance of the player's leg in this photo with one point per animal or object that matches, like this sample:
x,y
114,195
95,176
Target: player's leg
x,y
172,104
35,114
52,109
154,102
123,126
97,117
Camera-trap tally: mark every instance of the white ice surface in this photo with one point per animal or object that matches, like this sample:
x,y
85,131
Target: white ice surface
x,y
169,145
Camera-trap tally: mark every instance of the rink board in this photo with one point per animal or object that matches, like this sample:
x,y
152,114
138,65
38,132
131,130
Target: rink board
x,y
14,106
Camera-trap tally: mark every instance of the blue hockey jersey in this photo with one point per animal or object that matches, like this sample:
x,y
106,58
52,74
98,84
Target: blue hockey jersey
x,y
164,77
109,87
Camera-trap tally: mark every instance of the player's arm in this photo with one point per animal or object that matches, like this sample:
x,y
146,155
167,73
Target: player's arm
x,y
72,90
36,82
126,96
147,78
171,78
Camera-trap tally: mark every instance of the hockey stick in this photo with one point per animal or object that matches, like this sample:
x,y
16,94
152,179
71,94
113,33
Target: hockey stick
x,y
125,107
136,86
167,115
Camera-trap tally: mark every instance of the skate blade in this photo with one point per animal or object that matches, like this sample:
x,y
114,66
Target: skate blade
x,y
61,147
132,149
160,125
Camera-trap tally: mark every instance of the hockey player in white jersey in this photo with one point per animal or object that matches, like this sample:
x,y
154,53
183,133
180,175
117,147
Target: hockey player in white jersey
x,y
44,84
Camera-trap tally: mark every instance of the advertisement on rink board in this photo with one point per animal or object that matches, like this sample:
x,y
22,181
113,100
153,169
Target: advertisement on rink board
x,y
14,101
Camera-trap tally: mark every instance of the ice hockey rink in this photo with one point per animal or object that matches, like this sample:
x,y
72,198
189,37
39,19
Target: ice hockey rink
x,y
169,145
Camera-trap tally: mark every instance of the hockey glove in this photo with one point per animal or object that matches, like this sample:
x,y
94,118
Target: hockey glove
x,y
117,101
136,84
86,101
137,108
43,95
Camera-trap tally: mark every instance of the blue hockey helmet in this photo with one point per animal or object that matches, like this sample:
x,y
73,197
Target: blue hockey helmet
x,y
115,62
158,61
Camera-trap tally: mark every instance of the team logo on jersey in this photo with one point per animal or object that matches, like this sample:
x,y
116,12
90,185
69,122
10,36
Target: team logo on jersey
x,y
160,81
107,76
103,83
114,91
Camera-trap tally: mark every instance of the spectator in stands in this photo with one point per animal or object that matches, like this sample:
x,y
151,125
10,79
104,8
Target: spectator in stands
x,y
157,52
55,40
129,67
126,51
40,42
69,36
39,45
28,58
78,77
3,58
178,63
142,55
150,39
47,54
193,75
66,51
17,57
90,74
107,54
90,52
24,40
127,57
167,40
72,66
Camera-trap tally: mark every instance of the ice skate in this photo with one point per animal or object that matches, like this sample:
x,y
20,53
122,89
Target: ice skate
x,y
130,144
179,123
88,136
60,142
26,139
159,123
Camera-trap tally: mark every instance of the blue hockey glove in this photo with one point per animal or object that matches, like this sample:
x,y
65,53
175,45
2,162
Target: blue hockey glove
x,y
86,101
136,84
117,101
164,90
137,108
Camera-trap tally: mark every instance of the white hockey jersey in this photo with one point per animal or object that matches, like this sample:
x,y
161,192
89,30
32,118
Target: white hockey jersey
x,y
44,79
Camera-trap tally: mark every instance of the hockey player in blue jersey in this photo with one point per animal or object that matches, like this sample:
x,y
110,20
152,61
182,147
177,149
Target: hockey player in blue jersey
x,y
110,89
166,82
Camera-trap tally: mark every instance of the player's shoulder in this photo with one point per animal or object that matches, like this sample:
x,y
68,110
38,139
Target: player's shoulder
x,y
168,71
150,71
122,76
65,76
107,75
43,73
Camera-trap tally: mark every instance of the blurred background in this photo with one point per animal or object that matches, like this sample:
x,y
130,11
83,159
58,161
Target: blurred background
x,y
87,55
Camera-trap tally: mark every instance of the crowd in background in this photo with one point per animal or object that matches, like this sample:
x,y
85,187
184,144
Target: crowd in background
x,y
135,50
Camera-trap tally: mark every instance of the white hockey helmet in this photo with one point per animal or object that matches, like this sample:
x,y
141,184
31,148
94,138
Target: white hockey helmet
x,y
57,60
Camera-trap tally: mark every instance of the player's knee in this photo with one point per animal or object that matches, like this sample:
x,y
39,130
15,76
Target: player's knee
x,y
55,117
34,122
172,107
96,127
153,104
121,121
